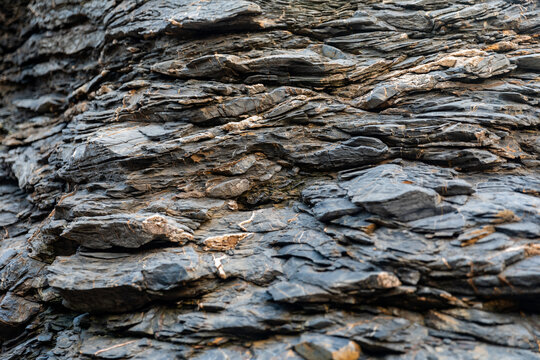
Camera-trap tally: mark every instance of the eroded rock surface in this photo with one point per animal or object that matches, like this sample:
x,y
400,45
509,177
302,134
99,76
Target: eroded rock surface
x,y
231,179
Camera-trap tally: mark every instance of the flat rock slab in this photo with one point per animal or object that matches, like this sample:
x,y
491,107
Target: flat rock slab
x,y
111,282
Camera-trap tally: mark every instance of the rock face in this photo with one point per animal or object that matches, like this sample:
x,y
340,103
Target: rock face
x,y
231,179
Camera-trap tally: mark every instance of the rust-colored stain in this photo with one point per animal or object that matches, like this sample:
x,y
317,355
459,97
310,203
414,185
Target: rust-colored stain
x,y
505,216
478,235
223,242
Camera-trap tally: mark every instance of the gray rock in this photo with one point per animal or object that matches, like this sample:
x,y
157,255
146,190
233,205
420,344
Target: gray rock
x,y
125,230
528,62
15,313
228,189
521,229
131,280
232,179
333,208
389,198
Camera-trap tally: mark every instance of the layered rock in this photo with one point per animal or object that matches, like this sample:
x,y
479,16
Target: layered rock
x,y
269,179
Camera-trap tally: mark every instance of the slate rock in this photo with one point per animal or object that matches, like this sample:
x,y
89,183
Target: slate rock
x,y
312,348
113,282
333,208
393,199
125,230
269,180
15,313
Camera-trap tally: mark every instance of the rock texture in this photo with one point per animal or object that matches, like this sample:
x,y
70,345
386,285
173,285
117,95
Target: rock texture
x,y
289,179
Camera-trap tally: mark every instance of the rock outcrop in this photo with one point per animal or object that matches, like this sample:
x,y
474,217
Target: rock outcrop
x,y
290,179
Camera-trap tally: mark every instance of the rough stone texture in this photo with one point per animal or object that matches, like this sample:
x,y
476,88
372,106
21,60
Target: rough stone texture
x,y
290,179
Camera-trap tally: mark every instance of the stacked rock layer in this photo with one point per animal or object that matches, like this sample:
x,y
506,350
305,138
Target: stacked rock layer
x,y
287,179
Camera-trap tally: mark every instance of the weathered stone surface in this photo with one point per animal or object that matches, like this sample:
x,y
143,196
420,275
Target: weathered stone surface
x,y
15,312
132,280
232,179
102,232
